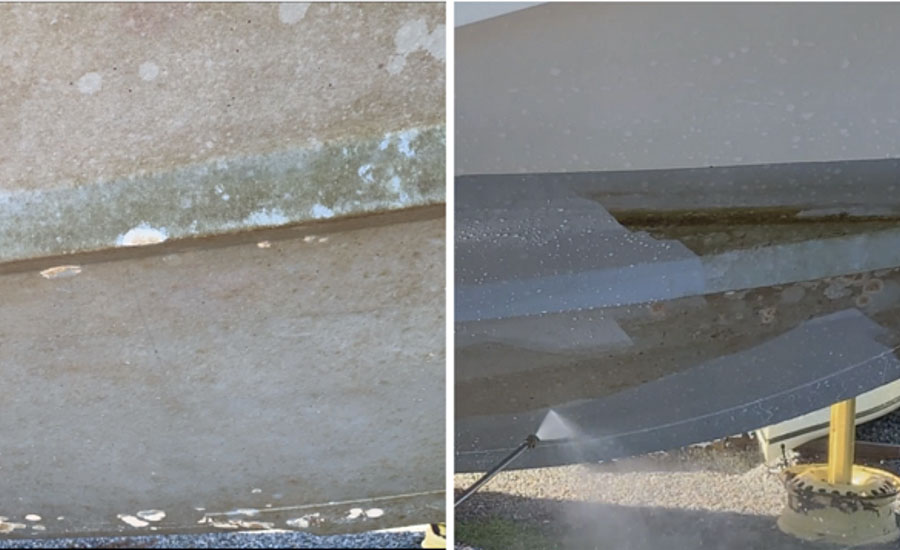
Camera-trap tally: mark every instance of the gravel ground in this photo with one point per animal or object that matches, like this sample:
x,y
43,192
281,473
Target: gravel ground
x,y
708,498
883,430
694,478
280,539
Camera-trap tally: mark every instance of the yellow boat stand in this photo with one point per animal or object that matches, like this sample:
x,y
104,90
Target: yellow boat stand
x,y
435,536
840,502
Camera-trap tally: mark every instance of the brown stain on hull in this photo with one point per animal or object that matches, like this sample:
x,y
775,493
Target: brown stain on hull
x,y
716,230
291,231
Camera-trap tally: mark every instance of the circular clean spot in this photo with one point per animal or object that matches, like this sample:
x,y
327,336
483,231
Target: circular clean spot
x,y
148,71
90,83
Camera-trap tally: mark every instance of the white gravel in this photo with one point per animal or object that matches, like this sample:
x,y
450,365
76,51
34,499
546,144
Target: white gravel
x,y
882,430
697,498
690,479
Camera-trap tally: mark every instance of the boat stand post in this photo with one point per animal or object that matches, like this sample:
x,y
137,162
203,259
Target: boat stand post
x,y
841,442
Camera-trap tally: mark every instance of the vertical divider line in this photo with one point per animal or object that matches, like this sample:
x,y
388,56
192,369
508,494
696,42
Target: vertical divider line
x,y
449,251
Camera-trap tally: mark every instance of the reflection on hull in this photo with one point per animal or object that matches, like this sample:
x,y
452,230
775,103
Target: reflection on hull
x,y
560,306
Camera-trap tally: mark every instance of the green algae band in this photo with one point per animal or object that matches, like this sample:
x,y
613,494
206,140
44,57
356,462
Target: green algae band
x,y
389,172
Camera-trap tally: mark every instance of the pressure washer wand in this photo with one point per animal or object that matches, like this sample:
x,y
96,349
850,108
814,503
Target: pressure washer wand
x,y
530,443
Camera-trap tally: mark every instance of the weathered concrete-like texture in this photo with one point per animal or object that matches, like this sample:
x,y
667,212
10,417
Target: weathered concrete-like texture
x,y
187,119
294,384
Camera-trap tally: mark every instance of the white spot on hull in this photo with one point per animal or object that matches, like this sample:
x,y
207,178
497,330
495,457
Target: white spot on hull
x,y
148,71
132,520
403,142
266,217
365,173
300,523
142,235
290,13
90,83
413,36
303,522
322,211
59,272
151,515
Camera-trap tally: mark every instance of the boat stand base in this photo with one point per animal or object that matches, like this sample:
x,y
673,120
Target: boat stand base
x,y
858,513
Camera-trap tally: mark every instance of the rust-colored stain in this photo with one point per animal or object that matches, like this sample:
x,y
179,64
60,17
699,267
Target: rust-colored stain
x,y
716,230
